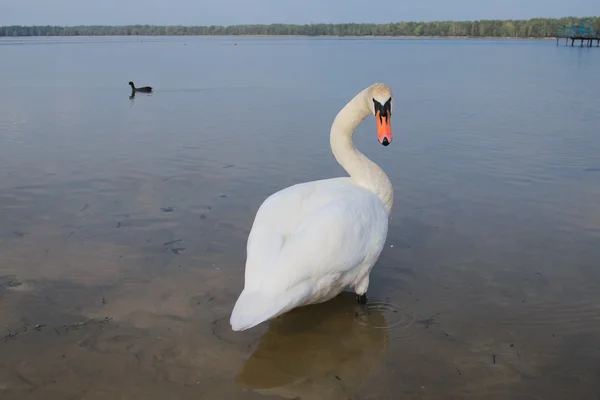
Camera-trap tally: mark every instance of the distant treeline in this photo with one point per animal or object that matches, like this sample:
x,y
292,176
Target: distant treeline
x,y
537,27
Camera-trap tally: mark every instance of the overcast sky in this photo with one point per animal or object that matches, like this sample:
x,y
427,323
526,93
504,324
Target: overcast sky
x,y
229,12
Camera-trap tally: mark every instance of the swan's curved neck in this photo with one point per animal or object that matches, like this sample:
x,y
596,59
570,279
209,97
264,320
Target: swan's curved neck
x,y
363,171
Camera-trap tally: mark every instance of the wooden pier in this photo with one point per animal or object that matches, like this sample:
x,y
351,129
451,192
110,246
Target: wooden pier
x,y
584,33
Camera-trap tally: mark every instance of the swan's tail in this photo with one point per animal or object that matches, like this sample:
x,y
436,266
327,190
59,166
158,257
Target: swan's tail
x,y
255,307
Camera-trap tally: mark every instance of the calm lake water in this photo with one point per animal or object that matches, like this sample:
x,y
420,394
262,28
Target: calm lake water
x,y
124,221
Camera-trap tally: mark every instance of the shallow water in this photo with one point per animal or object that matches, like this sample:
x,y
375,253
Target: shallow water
x,y
124,221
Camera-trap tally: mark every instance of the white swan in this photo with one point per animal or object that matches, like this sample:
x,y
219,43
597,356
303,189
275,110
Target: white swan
x,y
311,240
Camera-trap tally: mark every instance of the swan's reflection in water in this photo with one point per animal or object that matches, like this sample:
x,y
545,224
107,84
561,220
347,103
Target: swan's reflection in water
x,y
317,352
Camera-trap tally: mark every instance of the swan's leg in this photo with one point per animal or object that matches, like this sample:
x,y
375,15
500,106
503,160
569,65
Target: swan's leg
x,y
361,298
361,290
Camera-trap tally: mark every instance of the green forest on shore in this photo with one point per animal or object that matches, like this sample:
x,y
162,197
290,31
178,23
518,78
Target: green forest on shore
x,y
532,28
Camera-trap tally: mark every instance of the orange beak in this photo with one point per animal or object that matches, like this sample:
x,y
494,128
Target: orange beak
x,y
384,129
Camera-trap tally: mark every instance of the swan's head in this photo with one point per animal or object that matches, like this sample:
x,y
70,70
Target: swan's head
x,y
130,83
380,98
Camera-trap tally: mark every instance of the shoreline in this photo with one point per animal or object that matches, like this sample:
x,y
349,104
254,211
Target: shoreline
x,y
539,28
290,36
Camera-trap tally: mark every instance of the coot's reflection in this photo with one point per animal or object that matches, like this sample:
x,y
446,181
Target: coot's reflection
x,y
317,352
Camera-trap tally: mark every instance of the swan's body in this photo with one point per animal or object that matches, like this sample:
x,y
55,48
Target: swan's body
x,y
145,89
311,240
